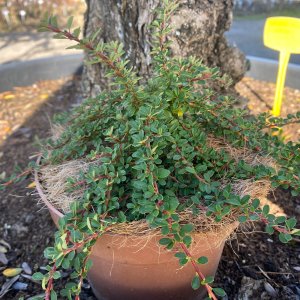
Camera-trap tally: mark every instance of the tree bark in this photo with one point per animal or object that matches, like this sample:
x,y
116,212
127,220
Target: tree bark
x,y
199,27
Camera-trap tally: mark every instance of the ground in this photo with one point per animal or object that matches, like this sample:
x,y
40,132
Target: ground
x,y
254,265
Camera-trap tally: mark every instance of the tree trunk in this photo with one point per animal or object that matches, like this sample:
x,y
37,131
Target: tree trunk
x,y
199,27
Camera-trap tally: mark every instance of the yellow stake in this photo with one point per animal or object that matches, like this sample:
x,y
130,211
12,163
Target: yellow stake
x,y
282,34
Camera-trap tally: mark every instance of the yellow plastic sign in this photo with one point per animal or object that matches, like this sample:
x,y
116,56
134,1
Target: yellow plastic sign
x,y
282,34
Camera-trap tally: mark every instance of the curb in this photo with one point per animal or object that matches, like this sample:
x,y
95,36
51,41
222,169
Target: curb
x,y
28,72
266,70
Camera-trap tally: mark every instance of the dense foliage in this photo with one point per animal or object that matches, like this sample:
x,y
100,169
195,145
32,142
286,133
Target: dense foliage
x,y
151,137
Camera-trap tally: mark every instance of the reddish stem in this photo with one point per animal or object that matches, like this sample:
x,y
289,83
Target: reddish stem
x,y
277,228
185,160
197,269
17,177
50,283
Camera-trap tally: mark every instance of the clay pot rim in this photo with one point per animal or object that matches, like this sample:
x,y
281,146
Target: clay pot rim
x,y
41,193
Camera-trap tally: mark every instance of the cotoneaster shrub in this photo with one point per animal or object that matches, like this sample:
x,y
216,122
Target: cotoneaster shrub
x,y
152,139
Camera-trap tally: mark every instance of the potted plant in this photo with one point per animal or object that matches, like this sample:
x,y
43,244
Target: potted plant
x,y
152,176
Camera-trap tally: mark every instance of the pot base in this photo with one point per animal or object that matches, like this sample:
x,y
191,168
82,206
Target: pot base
x,y
183,293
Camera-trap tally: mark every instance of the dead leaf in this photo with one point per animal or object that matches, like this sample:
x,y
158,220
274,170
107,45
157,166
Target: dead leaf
x,y
44,96
9,96
3,174
3,258
37,297
5,128
263,272
270,290
20,286
11,272
31,185
6,244
26,268
6,286
3,249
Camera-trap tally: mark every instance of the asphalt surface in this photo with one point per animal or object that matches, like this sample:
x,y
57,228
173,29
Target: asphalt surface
x,y
248,36
23,46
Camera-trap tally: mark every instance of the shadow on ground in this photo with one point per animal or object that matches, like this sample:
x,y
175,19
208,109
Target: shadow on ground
x,y
24,223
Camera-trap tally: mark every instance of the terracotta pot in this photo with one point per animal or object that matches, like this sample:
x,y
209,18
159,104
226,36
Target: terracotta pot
x,y
136,267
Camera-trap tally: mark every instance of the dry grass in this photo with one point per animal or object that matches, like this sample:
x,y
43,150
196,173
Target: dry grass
x,y
56,185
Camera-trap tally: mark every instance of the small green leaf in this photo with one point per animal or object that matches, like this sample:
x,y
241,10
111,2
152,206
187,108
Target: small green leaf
x,y
202,260
190,170
175,217
121,217
70,22
291,223
219,292
37,276
282,238
165,241
165,230
66,263
233,201
140,185
242,219
255,203
76,32
254,217
187,228
56,275
288,237
266,210
71,255
269,229
207,176
180,255
183,261
196,283
209,279
44,282
53,295
245,199
88,224
88,264
187,240
280,219
162,173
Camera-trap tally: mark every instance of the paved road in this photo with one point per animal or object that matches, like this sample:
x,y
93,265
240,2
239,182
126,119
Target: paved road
x,y
248,36
21,46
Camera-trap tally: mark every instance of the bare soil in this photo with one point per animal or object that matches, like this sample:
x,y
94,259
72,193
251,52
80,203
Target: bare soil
x,y
254,265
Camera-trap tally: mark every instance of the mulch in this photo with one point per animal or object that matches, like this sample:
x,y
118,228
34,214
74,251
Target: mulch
x,y
261,96
254,265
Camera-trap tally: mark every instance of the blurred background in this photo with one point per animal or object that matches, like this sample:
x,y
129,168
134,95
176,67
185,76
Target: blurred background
x,y
24,15
19,19
19,39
